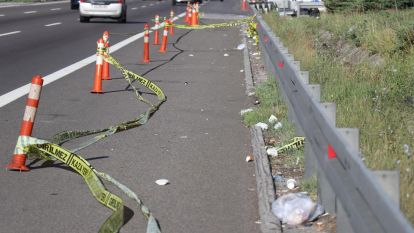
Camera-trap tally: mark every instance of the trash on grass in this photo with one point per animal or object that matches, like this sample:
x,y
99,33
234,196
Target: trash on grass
x,y
162,182
244,111
272,151
278,126
262,125
291,183
272,119
296,208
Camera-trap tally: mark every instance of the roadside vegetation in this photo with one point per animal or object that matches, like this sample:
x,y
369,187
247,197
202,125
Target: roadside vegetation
x,y
364,61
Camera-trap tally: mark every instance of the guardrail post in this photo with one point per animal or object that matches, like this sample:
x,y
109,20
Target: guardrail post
x,y
304,76
343,225
311,163
390,182
326,195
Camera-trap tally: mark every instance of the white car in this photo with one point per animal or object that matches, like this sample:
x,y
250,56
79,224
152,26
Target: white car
x,y
115,9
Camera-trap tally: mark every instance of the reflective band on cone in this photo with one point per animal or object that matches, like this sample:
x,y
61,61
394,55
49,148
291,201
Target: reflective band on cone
x,y
163,48
19,158
146,58
97,83
156,33
105,68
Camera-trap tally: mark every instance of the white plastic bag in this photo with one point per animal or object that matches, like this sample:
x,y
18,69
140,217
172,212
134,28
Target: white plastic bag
x,y
296,208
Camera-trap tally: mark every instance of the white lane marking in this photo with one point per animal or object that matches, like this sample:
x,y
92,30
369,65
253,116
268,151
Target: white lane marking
x,y
55,9
152,4
143,6
10,33
29,12
53,24
2,15
23,90
134,8
32,4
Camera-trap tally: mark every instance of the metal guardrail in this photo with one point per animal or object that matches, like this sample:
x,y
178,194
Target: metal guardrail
x,y
368,208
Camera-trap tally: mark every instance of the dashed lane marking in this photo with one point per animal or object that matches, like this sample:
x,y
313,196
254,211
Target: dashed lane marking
x,y
10,33
53,24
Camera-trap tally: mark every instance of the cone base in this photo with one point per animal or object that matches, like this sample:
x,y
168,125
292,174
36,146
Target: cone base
x,y
96,92
145,61
18,163
106,78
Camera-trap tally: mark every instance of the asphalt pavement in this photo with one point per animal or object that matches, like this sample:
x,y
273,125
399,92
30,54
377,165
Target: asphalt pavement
x,y
196,140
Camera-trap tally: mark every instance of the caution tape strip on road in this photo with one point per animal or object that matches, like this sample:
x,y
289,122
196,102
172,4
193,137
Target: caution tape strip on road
x,y
48,151
52,150
218,25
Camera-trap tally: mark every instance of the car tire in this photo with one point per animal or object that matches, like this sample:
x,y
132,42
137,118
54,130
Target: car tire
x,y
83,19
123,17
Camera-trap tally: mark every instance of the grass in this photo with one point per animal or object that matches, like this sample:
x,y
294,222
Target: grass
x,y
377,99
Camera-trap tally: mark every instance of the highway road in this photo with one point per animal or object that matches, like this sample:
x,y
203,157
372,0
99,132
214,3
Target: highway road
x,y
196,140
43,38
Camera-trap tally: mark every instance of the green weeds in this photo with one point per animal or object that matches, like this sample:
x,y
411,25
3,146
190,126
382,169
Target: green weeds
x,y
377,98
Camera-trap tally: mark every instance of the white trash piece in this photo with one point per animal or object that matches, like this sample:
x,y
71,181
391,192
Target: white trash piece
x,y
244,111
296,208
278,125
162,182
291,183
272,119
262,125
241,46
272,151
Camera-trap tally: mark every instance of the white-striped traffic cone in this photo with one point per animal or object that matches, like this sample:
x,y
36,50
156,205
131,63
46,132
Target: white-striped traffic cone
x,y
19,158
156,33
163,47
105,68
97,83
146,58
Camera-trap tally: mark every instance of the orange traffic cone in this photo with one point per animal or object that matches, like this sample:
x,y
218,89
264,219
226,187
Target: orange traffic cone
x,y
157,27
187,13
244,5
19,158
163,48
105,68
97,83
194,16
172,20
190,14
146,58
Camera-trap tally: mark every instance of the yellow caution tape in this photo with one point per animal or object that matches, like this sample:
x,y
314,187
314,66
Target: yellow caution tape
x,y
218,25
296,143
65,136
52,150
49,151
